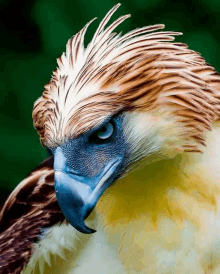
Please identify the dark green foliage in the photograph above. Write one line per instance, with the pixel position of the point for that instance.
(34, 34)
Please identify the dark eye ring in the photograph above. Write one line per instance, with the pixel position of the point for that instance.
(105, 132)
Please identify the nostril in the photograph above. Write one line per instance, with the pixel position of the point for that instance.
(72, 171)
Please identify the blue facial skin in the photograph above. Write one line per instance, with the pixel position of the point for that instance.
(85, 167)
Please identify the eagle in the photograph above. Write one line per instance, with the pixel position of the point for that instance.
(132, 179)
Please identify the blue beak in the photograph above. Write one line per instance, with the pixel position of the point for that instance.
(77, 195)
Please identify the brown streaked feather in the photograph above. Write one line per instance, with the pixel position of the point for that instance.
(31, 207)
(142, 70)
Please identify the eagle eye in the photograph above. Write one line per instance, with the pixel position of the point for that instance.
(105, 131)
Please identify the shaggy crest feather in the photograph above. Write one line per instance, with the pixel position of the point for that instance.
(139, 71)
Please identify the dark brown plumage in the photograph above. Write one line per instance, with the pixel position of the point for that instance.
(31, 207)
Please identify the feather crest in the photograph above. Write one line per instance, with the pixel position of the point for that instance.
(139, 71)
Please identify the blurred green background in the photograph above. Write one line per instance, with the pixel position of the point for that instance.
(34, 33)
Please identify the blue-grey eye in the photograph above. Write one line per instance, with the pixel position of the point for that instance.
(105, 132)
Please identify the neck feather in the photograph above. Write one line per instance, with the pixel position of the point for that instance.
(175, 191)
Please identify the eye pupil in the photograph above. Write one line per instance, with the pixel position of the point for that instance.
(103, 129)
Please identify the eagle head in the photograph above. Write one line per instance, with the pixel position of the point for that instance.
(121, 100)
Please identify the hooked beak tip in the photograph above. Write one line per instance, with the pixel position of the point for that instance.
(85, 229)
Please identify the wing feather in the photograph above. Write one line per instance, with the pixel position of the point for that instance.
(31, 207)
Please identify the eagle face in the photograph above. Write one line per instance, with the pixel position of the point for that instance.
(86, 166)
